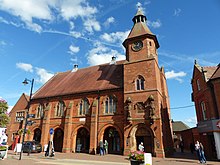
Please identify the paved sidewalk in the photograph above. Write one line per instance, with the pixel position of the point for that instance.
(87, 159)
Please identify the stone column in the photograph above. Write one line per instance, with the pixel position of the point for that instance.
(94, 126)
(46, 125)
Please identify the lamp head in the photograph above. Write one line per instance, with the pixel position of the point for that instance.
(25, 82)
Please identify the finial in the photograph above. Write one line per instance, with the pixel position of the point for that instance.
(139, 6)
(195, 62)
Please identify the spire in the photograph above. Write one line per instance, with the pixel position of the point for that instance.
(140, 27)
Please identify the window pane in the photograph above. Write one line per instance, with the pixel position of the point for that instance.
(80, 109)
(138, 84)
(106, 106)
(142, 84)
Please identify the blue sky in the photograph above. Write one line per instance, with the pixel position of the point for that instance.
(39, 38)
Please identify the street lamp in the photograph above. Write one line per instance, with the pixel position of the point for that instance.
(27, 114)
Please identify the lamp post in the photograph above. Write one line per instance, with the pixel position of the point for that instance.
(27, 113)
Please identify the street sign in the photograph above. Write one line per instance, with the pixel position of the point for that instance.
(29, 123)
(51, 131)
(31, 115)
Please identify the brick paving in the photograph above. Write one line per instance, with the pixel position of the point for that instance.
(81, 158)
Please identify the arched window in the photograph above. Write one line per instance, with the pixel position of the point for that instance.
(140, 83)
(40, 111)
(84, 106)
(110, 105)
(60, 109)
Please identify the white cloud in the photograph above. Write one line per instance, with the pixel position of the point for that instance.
(177, 12)
(77, 8)
(2, 43)
(75, 34)
(48, 10)
(154, 24)
(175, 75)
(27, 10)
(24, 66)
(117, 37)
(91, 25)
(73, 49)
(191, 121)
(109, 21)
(72, 25)
(101, 54)
(43, 74)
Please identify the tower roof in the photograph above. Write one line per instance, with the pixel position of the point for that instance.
(140, 27)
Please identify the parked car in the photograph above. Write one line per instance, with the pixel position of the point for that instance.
(34, 146)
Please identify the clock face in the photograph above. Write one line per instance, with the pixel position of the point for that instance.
(137, 45)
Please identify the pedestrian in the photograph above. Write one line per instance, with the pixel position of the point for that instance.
(46, 150)
(198, 151)
(203, 159)
(182, 146)
(191, 146)
(141, 147)
(106, 147)
(101, 146)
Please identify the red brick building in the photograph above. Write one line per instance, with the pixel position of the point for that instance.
(206, 95)
(124, 102)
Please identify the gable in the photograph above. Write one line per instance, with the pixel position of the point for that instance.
(21, 104)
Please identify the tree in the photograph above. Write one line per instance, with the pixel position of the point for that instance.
(4, 117)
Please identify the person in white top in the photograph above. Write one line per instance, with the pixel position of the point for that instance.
(141, 147)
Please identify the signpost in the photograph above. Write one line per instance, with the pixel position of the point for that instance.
(29, 123)
(51, 131)
(31, 115)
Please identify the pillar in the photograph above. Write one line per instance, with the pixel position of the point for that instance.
(68, 129)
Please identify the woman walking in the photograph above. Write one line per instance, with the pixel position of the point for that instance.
(203, 159)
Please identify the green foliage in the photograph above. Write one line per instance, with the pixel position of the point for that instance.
(137, 155)
(4, 117)
(3, 148)
(20, 131)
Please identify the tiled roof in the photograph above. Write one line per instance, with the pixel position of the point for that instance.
(209, 70)
(216, 74)
(179, 126)
(100, 77)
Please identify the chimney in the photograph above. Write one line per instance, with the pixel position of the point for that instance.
(113, 61)
(75, 68)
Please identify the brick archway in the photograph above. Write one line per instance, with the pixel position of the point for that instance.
(74, 136)
(113, 135)
(141, 133)
(58, 139)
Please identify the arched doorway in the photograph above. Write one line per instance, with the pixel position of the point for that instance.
(37, 135)
(58, 140)
(144, 135)
(113, 138)
(83, 139)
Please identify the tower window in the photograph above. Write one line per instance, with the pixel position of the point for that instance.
(203, 107)
(60, 109)
(140, 83)
(110, 105)
(150, 43)
(84, 107)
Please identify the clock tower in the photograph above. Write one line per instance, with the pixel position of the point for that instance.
(145, 92)
(141, 43)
